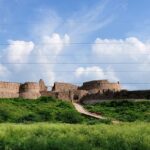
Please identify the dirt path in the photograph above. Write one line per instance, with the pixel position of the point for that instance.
(82, 110)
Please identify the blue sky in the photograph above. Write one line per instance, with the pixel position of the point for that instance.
(18, 15)
(55, 31)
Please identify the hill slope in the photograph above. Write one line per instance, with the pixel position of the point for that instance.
(122, 110)
(40, 110)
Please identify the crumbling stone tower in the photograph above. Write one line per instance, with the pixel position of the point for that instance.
(29, 90)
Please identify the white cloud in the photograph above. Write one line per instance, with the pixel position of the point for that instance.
(95, 73)
(18, 51)
(128, 50)
(47, 52)
(4, 72)
(131, 46)
(54, 44)
(131, 51)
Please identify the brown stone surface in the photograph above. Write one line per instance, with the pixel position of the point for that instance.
(9, 89)
(30, 90)
(61, 87)
(92, 91)
(76, 95)
(42, 86)
(65, 91)
(100, 85)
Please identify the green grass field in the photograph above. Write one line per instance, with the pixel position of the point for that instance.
(127, 111)
(44, 136)
(51, 124)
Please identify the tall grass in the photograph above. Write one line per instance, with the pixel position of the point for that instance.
(44, 136)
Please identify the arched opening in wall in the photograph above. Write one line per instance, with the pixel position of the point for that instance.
(75, 97)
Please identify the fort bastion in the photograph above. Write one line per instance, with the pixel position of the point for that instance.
(100, 86)
(29, 90)
(66, 91)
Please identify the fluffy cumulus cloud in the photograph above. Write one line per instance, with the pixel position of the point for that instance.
(47, 52)
(131, 56)
(15, 54)
(53, 44)
(95, 72)
(131, 46)
(18, 51)
(31, 61)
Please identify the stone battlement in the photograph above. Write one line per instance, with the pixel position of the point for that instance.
(101, 85)
(27, 90)
(90, 92)
(72, 92)
(66, 91)
(60, 87)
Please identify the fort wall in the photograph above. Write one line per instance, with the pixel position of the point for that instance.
(9, 89)
(66, 91)
(100, 86)
(120, 95)
(29, 90)
(90, 91)
(61, 87)
(42, 85)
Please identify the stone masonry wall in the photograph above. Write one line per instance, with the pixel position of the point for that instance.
(9, 89)
(100, 86)
(42, 85)
(30, 90)
(61, 87)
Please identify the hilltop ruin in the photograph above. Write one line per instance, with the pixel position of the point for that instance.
(65, 91)
(88, 92)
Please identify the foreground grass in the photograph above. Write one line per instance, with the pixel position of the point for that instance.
(128, 111)
(44, 136)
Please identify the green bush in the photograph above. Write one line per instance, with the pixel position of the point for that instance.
(69, 116)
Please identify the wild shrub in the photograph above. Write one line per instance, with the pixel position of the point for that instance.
(69, 116)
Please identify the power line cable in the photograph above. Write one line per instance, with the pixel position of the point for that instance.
(80, 63)
(71, 43)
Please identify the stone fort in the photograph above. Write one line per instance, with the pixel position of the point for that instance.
(65, 91)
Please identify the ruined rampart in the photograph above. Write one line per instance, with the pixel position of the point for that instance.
(29, 90)
(61, 87)
(90, 91)
(43, 87)
(100, 86)
(9, 89)
(120, 95)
